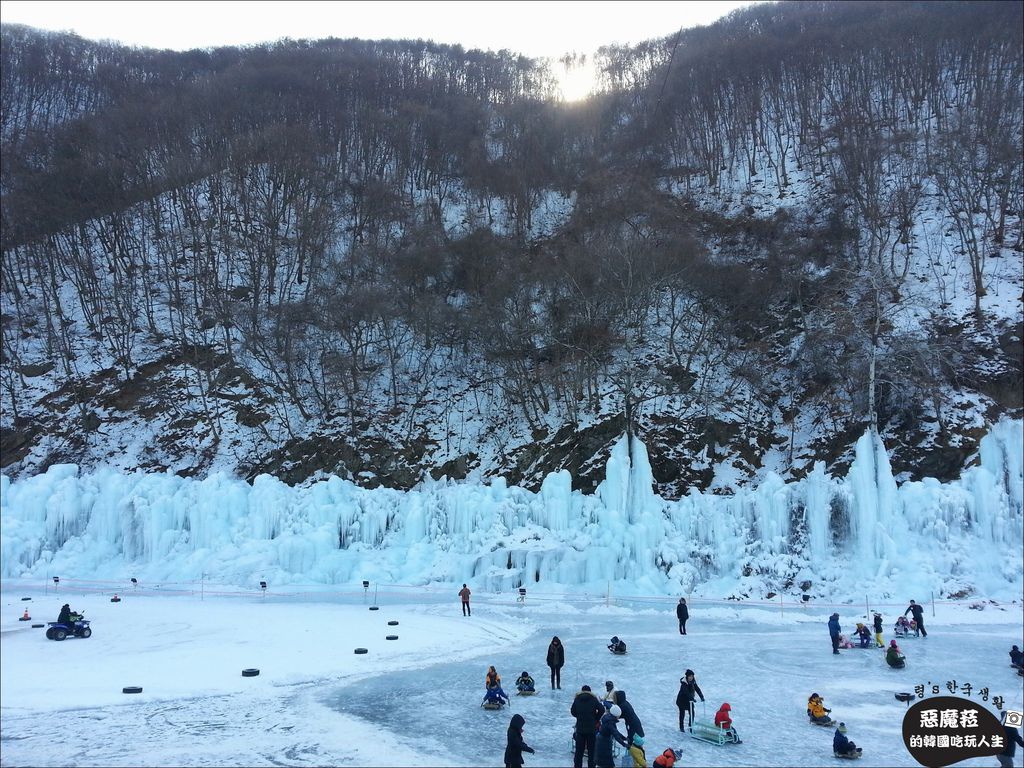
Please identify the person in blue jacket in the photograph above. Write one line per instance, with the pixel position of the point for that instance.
(834, 630)
(604, 754)
(842, 745)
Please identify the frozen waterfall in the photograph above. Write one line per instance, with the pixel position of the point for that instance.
(846, 534)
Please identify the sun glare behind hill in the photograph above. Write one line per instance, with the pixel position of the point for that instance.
(576, 76)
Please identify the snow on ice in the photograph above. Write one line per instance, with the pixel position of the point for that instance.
(416, 700)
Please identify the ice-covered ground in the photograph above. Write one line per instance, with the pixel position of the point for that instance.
(415, 701)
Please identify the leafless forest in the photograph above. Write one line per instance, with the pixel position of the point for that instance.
(344, 255)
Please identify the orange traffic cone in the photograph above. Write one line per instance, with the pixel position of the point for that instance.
(26, 617)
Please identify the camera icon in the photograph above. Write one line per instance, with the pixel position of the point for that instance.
(1013, 718)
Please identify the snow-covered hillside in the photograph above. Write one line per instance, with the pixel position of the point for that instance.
(396, 260)
(823, 535)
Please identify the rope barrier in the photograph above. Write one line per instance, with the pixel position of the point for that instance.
(402, 592)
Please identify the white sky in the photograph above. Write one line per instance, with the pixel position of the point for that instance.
(530, 27)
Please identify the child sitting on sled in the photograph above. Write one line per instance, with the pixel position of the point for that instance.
(524, 682)
(816, 709)
(863, 634)
(894, 657)
(616, 646)
(723, 719)
(842, 746)
(495, 696)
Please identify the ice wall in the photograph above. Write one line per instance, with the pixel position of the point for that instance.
(843, 534)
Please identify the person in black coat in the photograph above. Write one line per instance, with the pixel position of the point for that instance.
(64, 617)
(688, 692)
(1012, 739)
(682, 613)
(556, 660)
(588, 711)
(1016, 657)
(918, 612)
(629, 717)
(516, 746)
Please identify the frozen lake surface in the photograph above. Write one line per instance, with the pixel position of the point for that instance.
(415, 701)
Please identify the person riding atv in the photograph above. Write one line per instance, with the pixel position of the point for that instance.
(68, 617)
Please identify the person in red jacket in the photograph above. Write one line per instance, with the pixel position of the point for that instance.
(723, 719)
(464, 594)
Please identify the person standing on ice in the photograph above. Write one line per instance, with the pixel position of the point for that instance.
(605, 755)
(588, 711)
(515, 745)
(682, 613)
(688, 691)
(556, 660)
(1012, 741)
(918, 612)
(464, 593)
(878, 630)
(834, 630)
(629, 717)
(636, 751)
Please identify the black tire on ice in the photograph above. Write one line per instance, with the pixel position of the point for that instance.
(59, 633)
(392, 623)
(132, 689)
(360, 651)
(391, 637)
(87, 632)
(374, 607)
(250, 672)
(38, 626)
(49, 634)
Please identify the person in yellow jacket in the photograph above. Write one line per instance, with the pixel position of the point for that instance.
(636, 751)
(816, 710)
(493, 679)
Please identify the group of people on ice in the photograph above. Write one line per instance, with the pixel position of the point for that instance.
(596, 728)
(893, 655)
